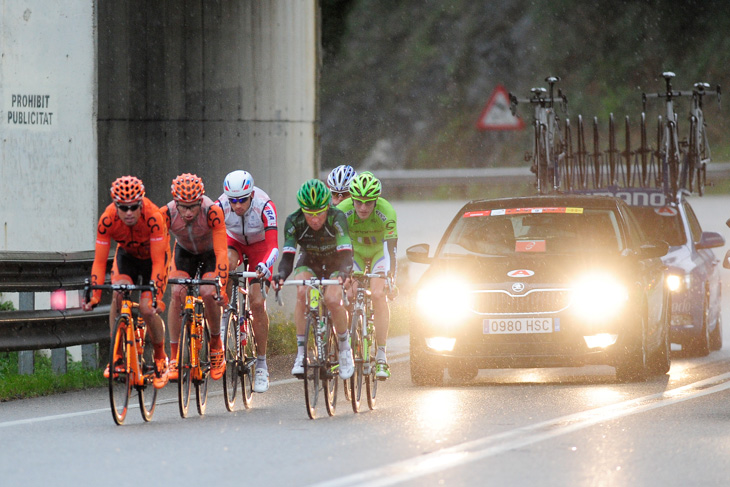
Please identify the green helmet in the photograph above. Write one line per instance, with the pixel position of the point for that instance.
(365, 187)
(314, 195)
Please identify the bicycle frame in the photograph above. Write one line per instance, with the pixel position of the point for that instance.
(319, 318)
(132, 346)
(363, 354)
(238, 363)
(668, 147)
(548, 145)
(195, 329)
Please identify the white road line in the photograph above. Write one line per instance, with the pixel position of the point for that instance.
(6, 424)
(488, 446)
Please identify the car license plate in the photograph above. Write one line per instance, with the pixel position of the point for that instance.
(508, 326)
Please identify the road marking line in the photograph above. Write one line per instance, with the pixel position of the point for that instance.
(488, 446)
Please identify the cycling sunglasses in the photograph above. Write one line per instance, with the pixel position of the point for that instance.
(126, 208)
(341, 194)
(239, 200)
(187, 207)
(314, 212)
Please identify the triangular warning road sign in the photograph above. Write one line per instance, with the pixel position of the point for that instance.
(497, 115)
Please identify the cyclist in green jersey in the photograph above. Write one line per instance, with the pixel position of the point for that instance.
(371, 221)
(320, 231)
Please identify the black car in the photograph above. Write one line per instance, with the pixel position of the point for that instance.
(543, 281)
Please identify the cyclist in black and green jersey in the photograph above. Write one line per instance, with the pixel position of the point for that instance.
(326, 252)
(371, 221)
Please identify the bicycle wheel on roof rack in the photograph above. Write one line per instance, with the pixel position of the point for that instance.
(627, 153)
(672, 158)
(569, 162)
(644, 152)
(612, 153)
(596, 155)
(581, 155)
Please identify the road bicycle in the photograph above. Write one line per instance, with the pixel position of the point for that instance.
(194, 346)
(362, 339)
(127, 366)
(667, 151)
(698, 150)
(548, 149)
(240, 342)
(321, 360)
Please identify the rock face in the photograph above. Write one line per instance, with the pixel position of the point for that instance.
(408, 80)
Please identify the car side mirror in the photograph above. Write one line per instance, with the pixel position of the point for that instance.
(419, 253)
(710, 240)
(656, 248)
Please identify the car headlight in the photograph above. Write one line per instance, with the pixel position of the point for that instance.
(599, 296)
(677, 282)
(444, 300)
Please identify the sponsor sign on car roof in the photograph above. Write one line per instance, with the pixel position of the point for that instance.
(522, 211)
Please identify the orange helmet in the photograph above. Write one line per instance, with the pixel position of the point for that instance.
(127, 189)
(187, 188)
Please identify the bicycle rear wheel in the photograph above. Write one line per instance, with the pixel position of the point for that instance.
(185, 378)
(120, 375)
(330, 371)
(311, 367)
(371, 382)
(355, 382)
(673, 159)
(146, 392)
(201, 384)
(233, 364)
(248, 353)
(701, 178)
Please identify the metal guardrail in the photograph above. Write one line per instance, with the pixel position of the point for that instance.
(398, 180)
(28, 329)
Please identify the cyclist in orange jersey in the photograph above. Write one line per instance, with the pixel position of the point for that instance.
(142, 254)
(198, 226)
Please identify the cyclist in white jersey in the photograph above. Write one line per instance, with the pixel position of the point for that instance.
(251, 230)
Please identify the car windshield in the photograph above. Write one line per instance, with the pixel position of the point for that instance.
(661, 224)
(534, 230)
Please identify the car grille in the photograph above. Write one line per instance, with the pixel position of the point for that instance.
(535, 302)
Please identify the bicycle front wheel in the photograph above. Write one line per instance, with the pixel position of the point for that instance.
(233, 364)
(248, 352)
(120, 374)
(356, 381)
(185, 377)
(201, 384)
(146, 392)
(330, 374)
(312, 367)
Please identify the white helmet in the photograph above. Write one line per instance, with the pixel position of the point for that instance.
(340, 177)
(238, 184)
